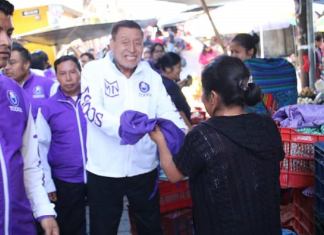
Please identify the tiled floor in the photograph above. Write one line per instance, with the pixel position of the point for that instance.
(124, 226)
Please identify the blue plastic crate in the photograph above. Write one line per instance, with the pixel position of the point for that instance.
(319, 198)
(319, 179)
(319, 158)
(287, 232)
(319, 226)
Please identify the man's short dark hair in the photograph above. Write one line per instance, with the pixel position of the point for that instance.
(67, 58)
(6, 7)
(124, 24)
(318, 37)
(90, 56)
(39, 60)
(23, 52)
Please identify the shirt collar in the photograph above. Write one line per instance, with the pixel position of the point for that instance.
(62, 96)
(29, 79)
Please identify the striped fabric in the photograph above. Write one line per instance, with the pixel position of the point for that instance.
(276, 78)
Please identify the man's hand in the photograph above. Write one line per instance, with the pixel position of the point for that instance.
(52, 196)
(50, 226)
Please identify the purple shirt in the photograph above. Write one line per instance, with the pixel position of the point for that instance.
(13, 120)
(50, 74)
(300, 116)
(38, 89)
(66, 154)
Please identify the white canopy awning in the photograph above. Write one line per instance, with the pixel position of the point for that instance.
(198, 2)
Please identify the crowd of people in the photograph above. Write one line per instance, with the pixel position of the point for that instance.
(87, 131)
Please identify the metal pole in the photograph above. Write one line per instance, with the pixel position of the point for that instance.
(311, 42)
(204, 5)
(261, 41)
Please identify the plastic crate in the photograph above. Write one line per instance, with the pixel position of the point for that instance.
(175, 202)
(174, 196)
(319, 179)
(297, 168)
(319, 226)
(178, 222)
(304, 218)
(198, 115)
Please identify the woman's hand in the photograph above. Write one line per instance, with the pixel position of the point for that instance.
(166, 160)
(157, 135)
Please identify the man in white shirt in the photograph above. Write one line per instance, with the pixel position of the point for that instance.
(111, 86)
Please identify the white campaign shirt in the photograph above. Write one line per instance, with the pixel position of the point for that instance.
(107, 93)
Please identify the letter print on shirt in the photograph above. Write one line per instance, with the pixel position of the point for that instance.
(111, 88)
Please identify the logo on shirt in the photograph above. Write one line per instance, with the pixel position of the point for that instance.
(144, 87)
(111, 89)
(14, 101)
(38, 92)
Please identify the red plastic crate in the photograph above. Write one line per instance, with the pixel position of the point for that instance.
(304, 218)
(174, 196)
(198, 115)
(297, 168)
(178, 222)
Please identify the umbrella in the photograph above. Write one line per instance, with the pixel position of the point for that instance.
(253, 15)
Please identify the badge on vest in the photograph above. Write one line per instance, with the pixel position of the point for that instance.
(38, 92)
(14, 101)
(111, 88)
(144, 88)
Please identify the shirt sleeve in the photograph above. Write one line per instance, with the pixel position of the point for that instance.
(166, 109)
(33, 174)
(92, 104)
(44, 140)
(190, 159)
(178, 99)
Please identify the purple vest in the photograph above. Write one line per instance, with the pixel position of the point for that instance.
(13, 119)
(67, 153)
(38, 89)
